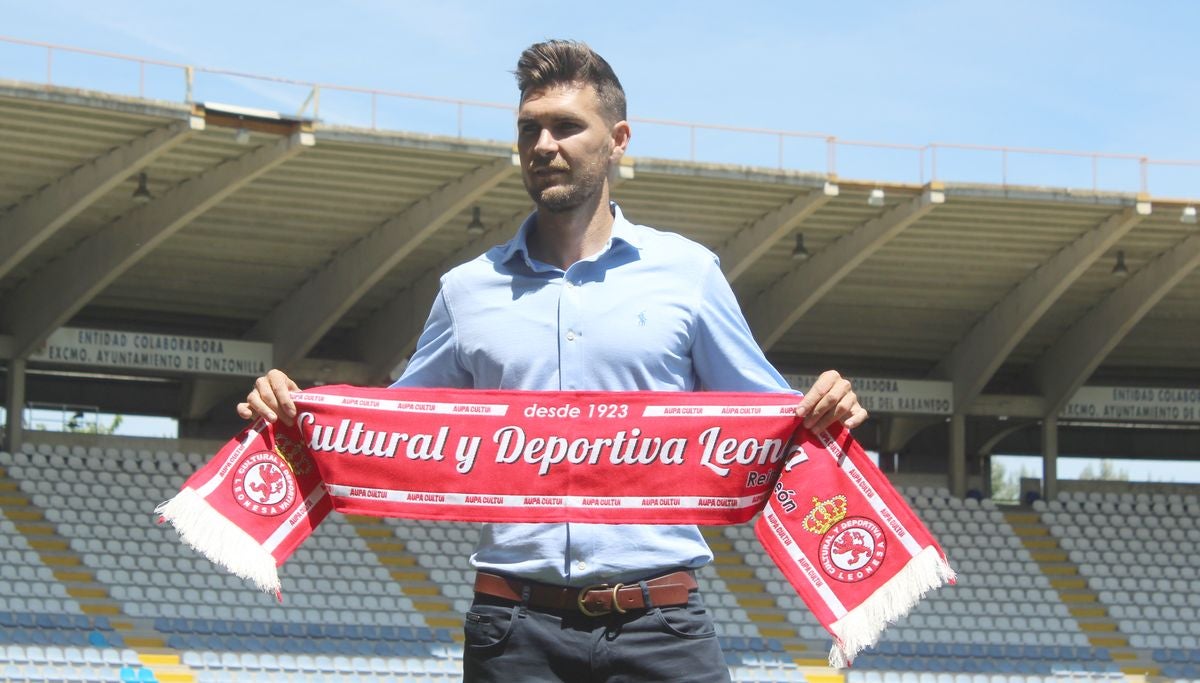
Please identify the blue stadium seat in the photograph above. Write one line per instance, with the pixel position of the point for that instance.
(241, 628)
(407, 633)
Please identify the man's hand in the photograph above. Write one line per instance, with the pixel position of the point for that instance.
(270, 399)
(829, 400)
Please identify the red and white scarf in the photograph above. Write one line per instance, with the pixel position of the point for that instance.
(839, 532)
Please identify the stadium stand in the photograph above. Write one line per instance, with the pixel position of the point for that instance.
(1144, 574)
(1090, 585)
(93, 590)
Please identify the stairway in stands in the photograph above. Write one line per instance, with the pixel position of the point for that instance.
(414, 579)
(81, 584)
(770, 620)
(1083, 602)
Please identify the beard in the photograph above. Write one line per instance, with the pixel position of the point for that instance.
(572, 189)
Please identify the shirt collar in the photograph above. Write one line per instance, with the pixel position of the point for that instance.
(622, 232)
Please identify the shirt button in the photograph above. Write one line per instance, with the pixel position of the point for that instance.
(581, 565)
(570, 336)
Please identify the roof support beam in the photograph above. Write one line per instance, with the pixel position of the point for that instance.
(200, 394)
(299, 322)
(898, 430)
(36, 219)
(740, 252)
(390, 335)
(53, 294)
(974, 360)
(794, 294)
(1067, 364)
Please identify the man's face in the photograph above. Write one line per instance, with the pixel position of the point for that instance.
(566, 146)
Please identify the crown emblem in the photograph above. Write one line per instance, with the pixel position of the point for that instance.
(294, 455)
(825, 514)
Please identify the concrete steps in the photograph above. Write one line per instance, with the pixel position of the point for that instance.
(769, 619)
(1083, 603)
(167, 666)
(81, 584)
(415, 581)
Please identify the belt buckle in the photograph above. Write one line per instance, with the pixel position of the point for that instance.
(583, 592)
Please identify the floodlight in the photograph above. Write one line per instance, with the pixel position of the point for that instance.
(142, 195)
(799, 253)
(1119, 269)
(475, 227)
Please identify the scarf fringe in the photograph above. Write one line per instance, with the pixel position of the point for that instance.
(862, 626)
(211, 534)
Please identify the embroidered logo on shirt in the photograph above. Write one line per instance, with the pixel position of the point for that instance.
(642, 319)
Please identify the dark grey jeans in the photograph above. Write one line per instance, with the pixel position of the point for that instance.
(508, 643)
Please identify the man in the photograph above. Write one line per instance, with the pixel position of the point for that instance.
(582, 299)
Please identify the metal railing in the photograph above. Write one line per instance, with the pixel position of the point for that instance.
(724, 144)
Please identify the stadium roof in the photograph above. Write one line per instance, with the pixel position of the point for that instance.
(327, 242)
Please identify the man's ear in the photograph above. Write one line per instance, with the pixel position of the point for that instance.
(620, 136)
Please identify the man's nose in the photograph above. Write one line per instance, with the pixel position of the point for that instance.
(545, 145)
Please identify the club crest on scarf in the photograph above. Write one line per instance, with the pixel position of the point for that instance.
(851, 549)
(294, 454)
(263, 483)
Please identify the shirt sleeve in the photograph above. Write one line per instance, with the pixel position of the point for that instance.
(725, 355)
(436, 362)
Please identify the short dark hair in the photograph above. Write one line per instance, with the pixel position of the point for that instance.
(566, 62)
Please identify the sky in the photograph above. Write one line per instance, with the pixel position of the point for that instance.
(1111, 77)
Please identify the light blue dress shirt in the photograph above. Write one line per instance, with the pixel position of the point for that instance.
(652, 311)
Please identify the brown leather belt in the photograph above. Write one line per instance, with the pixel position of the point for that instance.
(593, 601)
